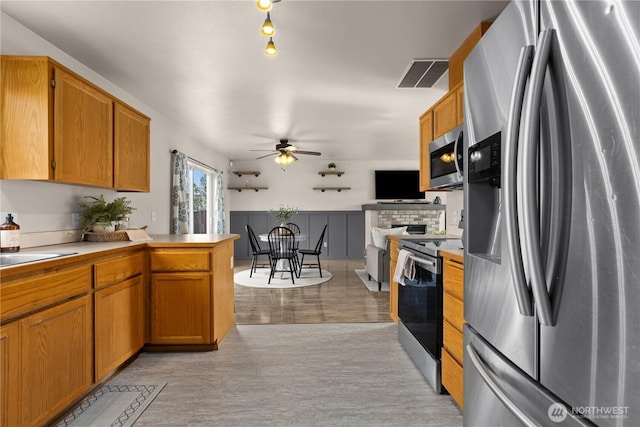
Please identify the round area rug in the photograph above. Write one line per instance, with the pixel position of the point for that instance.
(260, 277)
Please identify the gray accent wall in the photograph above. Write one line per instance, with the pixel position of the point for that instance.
(344, 238)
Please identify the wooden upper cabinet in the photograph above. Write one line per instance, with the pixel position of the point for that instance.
(456, 60)
(131, 149)
(426, 136)
(445, 115)
(460, 104)
(83, 132)
(57, 126)
(26, 106)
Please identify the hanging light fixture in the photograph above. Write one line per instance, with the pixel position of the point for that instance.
(267, 28)
(265, 5)
(271, 48)
(285, 159)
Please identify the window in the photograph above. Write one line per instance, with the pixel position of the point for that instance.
(203, 198)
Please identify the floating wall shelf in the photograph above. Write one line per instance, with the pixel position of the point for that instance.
(240, 173)
(248, 188)
(338, 189)
(323, 173)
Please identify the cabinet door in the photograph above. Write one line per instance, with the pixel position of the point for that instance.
(119, 324)
(57, 359)
(9, 375)
(131, 149)
(181, 308)
(426, 136)
(83, 132)
(25, 134)
(444, 115)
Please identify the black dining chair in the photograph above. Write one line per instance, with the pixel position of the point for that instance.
(317, 251)
(282, 245)
(296, 230)
(256, 250)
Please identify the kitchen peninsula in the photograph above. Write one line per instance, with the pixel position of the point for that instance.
(97, 308)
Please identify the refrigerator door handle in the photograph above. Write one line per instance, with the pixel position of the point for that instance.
(530, 214)
(509, 185)
(493, 385)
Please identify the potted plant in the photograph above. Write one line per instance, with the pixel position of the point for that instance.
(331, 166)
(102, 216)
(283, 213)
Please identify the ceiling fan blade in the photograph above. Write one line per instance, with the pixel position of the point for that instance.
(313, 153)
(266, 155)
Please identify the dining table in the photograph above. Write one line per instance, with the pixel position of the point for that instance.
(280, 266)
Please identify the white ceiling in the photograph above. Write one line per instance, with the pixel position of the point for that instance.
(201, 64)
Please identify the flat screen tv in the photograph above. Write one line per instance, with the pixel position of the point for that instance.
(398, 185)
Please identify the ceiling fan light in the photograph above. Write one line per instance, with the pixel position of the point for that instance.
(264, 5)
(271, 48)
(267, 28)
(285, 159)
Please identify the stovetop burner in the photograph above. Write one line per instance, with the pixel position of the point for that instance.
(431, 246)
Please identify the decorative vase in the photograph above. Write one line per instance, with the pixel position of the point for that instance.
(103, 227)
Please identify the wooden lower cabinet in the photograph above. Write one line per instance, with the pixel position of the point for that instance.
(10, 375)
(192, 295)
(181, 308)
(56, 359)
(453, 313)
(119, 324)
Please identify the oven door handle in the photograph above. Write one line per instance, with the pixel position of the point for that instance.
(431, 265)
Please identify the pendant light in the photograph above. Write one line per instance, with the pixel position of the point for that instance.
(265, 5)
(271, 48)
(267, 28)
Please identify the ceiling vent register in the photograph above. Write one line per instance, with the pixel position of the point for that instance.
(423, 73)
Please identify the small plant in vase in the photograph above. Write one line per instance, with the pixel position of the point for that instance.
(283, 213)
(331, 166)
(100, 216)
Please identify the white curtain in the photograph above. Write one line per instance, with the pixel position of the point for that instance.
(179, 194)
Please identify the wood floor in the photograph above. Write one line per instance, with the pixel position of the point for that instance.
(332, 374)
(343, 299)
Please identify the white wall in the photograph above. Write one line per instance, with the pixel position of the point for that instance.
(42, 206)
(293, 185)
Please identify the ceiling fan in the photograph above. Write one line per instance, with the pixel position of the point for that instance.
(285, 153)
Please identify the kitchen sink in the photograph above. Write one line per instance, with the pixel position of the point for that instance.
(8, 259)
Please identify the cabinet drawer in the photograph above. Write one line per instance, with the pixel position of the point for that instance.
(116, 270)
(453, 278)
(453, 342)
(26, 295)
(452, 378)
(453, 311)
(180, 260)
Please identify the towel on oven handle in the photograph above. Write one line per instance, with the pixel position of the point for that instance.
(405, 267)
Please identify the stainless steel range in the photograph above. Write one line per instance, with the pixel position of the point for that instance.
(420, 306)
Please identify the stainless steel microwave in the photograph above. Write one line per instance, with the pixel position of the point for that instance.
(446, 156)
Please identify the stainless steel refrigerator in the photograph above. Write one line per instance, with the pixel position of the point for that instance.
(552, 204)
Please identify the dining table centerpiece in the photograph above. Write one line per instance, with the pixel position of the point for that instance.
(283, 213)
